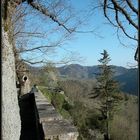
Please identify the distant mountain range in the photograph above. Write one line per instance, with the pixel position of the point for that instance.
(128, 78)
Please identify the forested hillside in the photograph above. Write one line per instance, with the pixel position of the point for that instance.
(128, 78)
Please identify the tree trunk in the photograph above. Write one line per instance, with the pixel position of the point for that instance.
(11, 123)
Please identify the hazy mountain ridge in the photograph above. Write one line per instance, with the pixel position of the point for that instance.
(86, 72)
(129, 81)
(128, 78)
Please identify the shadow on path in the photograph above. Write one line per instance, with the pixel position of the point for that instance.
(31, 129)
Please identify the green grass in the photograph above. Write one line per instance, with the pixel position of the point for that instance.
(123, 126)
(46, 93)
(58, 101)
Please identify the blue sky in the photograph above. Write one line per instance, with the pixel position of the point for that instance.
(89, 45)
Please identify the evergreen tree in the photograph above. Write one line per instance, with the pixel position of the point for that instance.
(106, 91)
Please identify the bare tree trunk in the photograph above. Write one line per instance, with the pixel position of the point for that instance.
(11, 123)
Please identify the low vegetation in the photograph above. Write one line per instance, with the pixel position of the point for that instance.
(88, 114)
(86, 118)
(58, 101)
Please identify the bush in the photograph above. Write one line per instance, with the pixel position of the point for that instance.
(66, 106)
(94, 121)
(57, 101)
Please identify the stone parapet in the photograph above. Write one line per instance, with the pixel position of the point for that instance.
(54, 126)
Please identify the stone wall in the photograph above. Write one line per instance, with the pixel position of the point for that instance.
(30, 129)
(53, 124)
(11, 124)
(25, 84)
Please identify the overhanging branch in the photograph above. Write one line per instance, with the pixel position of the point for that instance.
(44, 10)
(36, 48)
(120, 25)
(105, 13)
(124, 12)
(132, 6)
